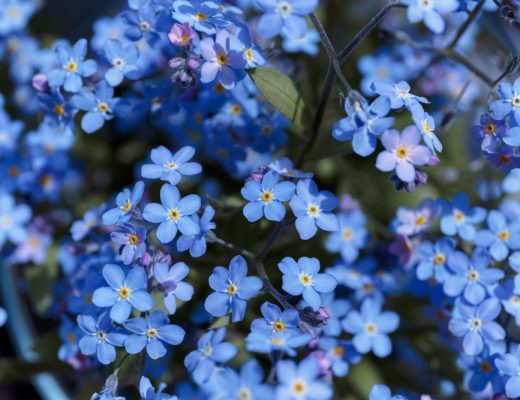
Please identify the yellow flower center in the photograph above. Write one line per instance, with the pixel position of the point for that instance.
(118, 62)
(207, 351)
(14, 171)
(421, 220)
(201, 16)
(127, 206)
(516, 101)
(298, 387)
(515, 300)
(284, 8)
(59, 110)
(439, 259)
(347, 233)
(338, 351)
(171, 166)
(245, 394)
(473, 275)
(305, 279)
(151, 333)
(266, 196)
(125, 292)
(368, 288)
(133, 239)
(101, 335)
(503, 235)
(279, 326)
(401, 152)
(144, 26)
(174, 214)
(313, 210)
(485, 367)
(490, 128)
(13, 12)
(459, 216)
(370, 327)
(6, 221)
(232, 289)
(426, 128)
(219, 88)
(222, 59)
(235, 109)
(103, 107)
(71, 66)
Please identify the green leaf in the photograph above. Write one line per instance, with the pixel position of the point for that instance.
(279, 90)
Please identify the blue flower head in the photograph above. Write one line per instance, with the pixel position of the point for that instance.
(13, 220)
(301, 381)
(211, 351)
(402, 153)
(267, 197)
(508, 102)
(124, 292)
(122, 60)
(15, 15)
(171, 281)
(351, 236)
(509, 366)
(152, 332)
(173, 214)
(433, 259)
(101, 338)
(312, 209)
(222, 62)
(364, 123)
(430, 12)
(246, 384)
(171, 167)
(288, 15)
(458, 217)
(303, 278)
(99, 106)
(203, 16)
(232, 290)
(285, 167)
(72, 66)
(399, 95)
(471, 278)
(371, 327)
(147, 391)
(476, 324)
(197, 243)
(500, 236)
(126, 202)
(132, 241)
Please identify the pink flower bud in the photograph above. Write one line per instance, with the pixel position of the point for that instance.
(40, 82)
(181, 35)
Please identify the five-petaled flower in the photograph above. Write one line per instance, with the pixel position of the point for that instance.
(402, 153)
(371, 327)
(303, 278)
(123, 292)
(312, 209)
(171, 167)
(233, 288)
(173, 214)
(267, 198)
(151, 332)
